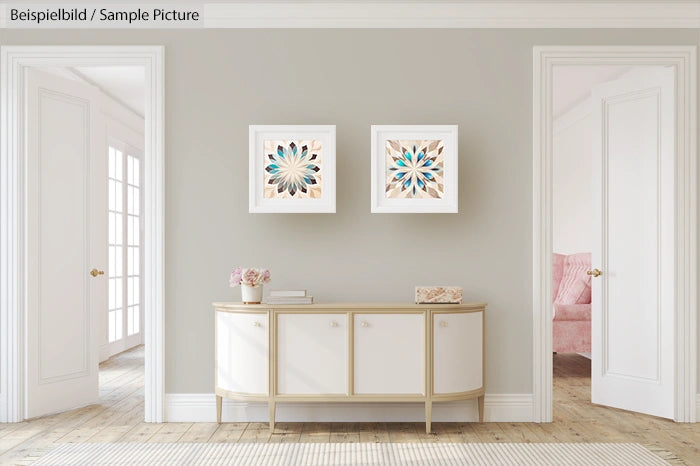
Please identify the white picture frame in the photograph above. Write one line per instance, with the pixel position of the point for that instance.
(425, 192)
(278, 188)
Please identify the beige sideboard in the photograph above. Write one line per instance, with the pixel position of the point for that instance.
(349, 352)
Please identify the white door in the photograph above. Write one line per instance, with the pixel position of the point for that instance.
(389, 353)
(633, 216)
(67, 222)
(312, 354)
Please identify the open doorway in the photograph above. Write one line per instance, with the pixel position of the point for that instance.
(613, 241)
(641, 261)
(572, 227)
(85, 144)
(90, 259)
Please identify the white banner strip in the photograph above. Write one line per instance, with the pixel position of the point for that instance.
(358, 14)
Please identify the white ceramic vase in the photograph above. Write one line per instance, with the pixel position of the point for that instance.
(251, 294)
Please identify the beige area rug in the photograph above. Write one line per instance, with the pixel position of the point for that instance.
(350, 454)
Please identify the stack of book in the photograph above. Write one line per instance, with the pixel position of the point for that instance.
(289, 297)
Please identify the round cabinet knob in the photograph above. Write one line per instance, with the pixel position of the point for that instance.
(364, 323)
(443, 323)
(256, 324)
(334, 324)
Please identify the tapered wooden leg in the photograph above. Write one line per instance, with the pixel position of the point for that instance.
(218, 409)
(271, 405)
(428, 415)
(481, 408)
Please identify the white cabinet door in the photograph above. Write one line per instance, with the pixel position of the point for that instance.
(457, 352)
(242, 352)
(389, 353)
(312, 354)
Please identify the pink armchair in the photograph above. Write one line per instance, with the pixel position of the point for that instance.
(571, 296)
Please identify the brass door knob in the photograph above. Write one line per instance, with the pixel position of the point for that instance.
(595, 273)
(95, 272)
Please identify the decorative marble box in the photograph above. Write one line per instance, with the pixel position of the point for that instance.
(439, 294)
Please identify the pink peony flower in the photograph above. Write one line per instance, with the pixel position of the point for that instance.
(249, 277)
(235, 279)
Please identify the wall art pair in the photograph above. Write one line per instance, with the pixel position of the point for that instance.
(413, 168)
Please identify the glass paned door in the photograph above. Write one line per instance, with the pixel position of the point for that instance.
(133, 221)
(125, 226)
(116, 245)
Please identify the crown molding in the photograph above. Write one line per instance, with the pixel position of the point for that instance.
(464, 14)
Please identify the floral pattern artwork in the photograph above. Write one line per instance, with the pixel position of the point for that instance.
(415, 169)
(293, 169)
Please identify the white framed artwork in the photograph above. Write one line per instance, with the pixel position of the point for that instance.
(414, 168)
(291, 169)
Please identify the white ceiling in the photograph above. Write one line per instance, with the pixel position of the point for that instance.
(124, 83)
(572, 84)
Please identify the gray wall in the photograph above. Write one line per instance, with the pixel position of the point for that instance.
(220, 81)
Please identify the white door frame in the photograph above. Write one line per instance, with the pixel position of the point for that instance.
(13, 245)
(683, 58)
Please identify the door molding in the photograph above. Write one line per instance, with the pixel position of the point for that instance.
(13, 236)
(683, 58)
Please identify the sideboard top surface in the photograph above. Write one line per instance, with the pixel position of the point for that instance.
(376, 307)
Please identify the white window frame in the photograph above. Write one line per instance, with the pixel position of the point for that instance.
(127, 341)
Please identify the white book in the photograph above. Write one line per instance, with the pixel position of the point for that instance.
(289, 300)
(288, 293)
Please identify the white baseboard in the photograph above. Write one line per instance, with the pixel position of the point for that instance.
(201, 407)
(697, 407)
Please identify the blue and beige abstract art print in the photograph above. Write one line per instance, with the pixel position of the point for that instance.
(415, 169)
(293, 169)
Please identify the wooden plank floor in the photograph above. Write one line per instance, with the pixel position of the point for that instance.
(118, 418)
